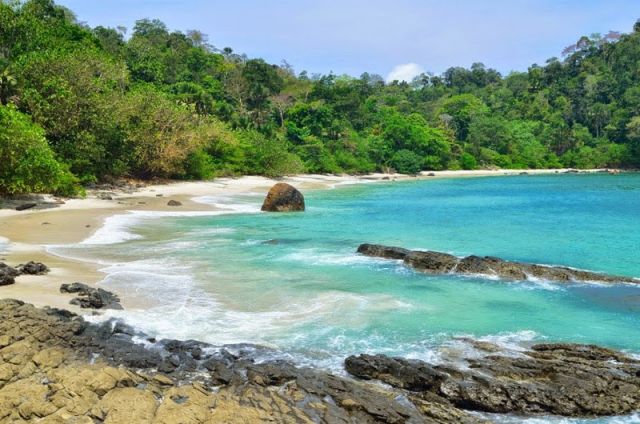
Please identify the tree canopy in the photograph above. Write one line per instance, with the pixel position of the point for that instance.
(95, 103)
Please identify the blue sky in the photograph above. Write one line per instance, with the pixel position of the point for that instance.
(354, 36)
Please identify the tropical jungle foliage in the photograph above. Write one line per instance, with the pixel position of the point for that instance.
(80, 104)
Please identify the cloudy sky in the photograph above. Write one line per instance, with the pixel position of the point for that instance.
(395, 38)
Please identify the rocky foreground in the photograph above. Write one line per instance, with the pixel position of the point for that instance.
(57, 368)
(444, 263)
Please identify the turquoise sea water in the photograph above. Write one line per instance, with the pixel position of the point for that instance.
(294, 281)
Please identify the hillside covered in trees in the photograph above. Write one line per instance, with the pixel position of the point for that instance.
(80, 105)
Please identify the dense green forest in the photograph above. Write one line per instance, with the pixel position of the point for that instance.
(80, 105)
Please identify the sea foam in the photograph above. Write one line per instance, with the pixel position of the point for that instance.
(116, 228)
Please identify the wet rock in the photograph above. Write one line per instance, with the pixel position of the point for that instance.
(25, 206)
(91, 298)
(444, 263)
(174, 203)
(416, 376)
(56, 367)
(432, 262)
(383, 251)
(283, 197)
(33, 268)
(562, 379)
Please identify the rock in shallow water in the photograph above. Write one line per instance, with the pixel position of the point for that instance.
(283, 197)
(444, 263)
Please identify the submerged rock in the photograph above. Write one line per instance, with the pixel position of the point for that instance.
(444, 263)
(283, 197)
(91, 298)
(562, 379)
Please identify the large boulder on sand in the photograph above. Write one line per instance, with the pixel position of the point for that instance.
(33, 268)
(283, 197)
(7, 274)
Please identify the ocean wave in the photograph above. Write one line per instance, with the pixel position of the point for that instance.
(231, 203)
(537, 284)
(116, 228)
(313, 256)
(175, 306)
(550, 419)
(460, 347)
(212, 231)
(4, 245)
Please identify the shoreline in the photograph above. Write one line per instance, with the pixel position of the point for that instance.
(28, 233)
(58, 367)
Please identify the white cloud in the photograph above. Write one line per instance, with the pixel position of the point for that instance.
(406, 72)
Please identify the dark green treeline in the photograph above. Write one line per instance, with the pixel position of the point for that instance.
(80, 104)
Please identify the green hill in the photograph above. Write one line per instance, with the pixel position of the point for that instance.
(96, 104)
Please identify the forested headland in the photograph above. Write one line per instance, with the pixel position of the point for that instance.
(80, 105)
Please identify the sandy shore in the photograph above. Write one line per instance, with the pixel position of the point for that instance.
(28, 233)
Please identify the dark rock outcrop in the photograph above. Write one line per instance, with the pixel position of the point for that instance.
(380, 251)
(25, 202)
(56, 367)
(54, 364)
(283, 197)
(7, 274)
(25, 206)
(174, 203)
(6, 280)
(444, 263)
(33, 268)
(91, 298)
(561, 379)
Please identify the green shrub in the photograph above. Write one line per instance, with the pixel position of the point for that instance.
(468, 161)
(407, 162)
(269, 156)
(199, 166)
(28, 164)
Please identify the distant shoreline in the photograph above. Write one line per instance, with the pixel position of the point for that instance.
(28, 233)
